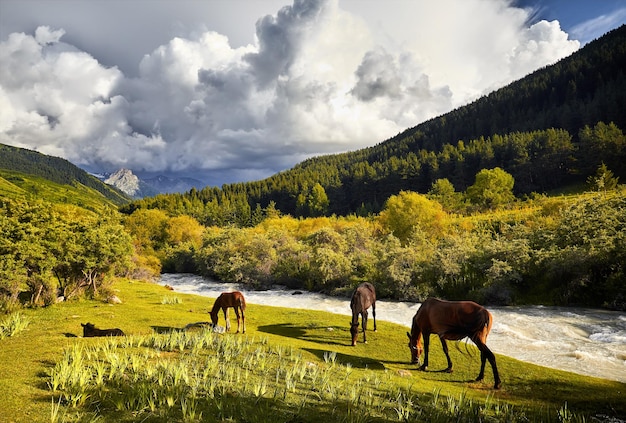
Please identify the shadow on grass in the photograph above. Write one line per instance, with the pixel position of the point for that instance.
(354, 360)
(608, 400)
(248, 408)
(166, 329)
(169, 329)
(327, 335)
(43, 377)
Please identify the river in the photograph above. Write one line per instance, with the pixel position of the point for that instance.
(585, 341)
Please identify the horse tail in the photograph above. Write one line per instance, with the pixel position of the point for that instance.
(482, 324)
(242, 303)
(488, 322)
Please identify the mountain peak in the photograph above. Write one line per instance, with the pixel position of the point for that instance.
(125, 181)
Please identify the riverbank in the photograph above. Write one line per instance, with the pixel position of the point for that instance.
(26, 359)
(585, 341)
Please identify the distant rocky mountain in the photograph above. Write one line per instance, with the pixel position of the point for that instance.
(126, 181)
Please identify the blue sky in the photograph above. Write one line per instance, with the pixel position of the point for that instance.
(236, 90)
(584, 20)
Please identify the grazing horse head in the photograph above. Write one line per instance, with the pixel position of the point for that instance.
(452, 320)
(354, 331)
(363, 297)
(415, 345)
(213, 313)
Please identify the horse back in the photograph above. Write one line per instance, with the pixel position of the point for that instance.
(363, 297)
(454, 319)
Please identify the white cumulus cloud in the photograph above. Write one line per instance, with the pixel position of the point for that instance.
(317, 79)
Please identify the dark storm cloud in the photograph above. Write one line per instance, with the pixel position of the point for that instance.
(279, 38)
(377, 76)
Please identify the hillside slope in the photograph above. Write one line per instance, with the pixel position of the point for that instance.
(27, 173)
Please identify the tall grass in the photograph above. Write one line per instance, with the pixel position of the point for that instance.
(171, 300)
(187, 375)
(13, 324)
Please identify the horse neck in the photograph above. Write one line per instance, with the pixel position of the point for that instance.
(416, 335)
(355, 316)
(216, 306)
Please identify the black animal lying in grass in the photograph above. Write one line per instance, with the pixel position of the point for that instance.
(90, 330)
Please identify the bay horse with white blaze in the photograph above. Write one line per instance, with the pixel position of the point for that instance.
(363, 297)
(228, 300)
(452, 320)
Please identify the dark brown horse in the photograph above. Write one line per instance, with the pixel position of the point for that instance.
(89, 330)
(452, 320)
(227, 300)
(363, 297)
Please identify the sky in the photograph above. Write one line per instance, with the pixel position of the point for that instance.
(230, 91)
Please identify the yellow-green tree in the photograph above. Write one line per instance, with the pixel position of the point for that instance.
(408, 212)
(183, 229)
(492, 188)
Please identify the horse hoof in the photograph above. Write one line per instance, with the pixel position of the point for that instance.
(448, 370)
(423, 368)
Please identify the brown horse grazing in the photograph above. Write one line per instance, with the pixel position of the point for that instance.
(452, 320)
(89, 330)
(364, 297)
(224, 302)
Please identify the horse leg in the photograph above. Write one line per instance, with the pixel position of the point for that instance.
(374, 314)
(243, 319)
(483, 361)
(225, 309)
(238, 317)
(426, 337)
(486, 354)
(364, 324)
(444, 345)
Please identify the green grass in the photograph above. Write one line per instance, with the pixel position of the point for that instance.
(53, 334)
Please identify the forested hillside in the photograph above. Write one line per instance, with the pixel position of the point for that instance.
(550, 130)
(15, 161)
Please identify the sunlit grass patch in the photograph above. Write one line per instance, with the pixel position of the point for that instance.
(182, 376)
(13, 324)
(168, 299)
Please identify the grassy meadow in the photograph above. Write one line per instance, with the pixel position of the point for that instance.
(292, 365)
